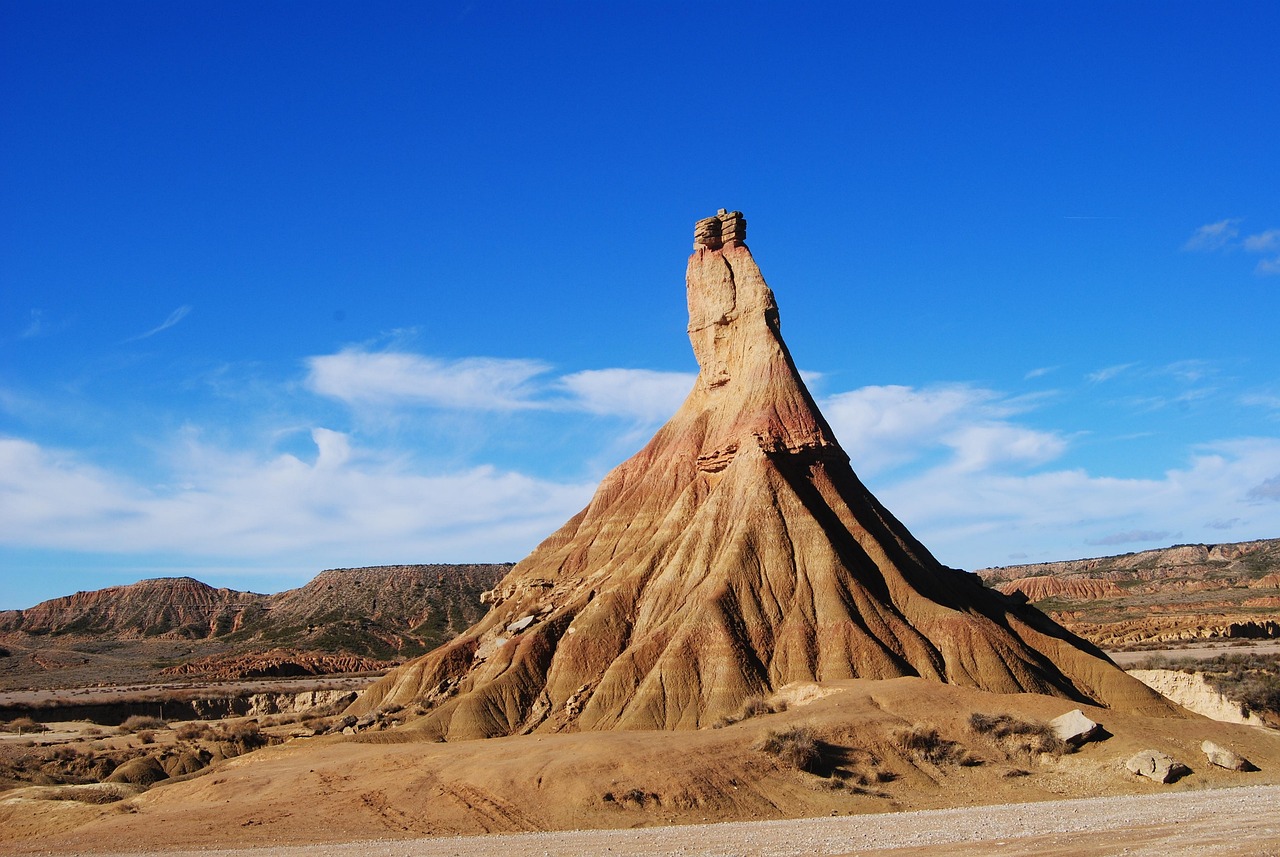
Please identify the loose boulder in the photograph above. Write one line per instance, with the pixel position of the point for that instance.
(1224, 758)
(1155, 765)
(1074, 728)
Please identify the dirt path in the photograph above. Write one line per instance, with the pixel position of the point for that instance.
(1238, 822)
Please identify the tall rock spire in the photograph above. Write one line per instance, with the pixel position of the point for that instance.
(737, 552)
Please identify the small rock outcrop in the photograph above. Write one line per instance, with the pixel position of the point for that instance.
(1193, 692)
(1157, 766)
(1225, 758)
(140, 771)
(1074, 728)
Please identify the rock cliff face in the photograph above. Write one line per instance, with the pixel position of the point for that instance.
(736, 553)
(344, 620)
(1169, 595)
(172, 606)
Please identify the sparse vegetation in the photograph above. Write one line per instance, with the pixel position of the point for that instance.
(193, 731)
(24, 726)
(926, 744)
(795, 747)
(138, 722)
(1018, 736)
(1251, 679)
(753, 706)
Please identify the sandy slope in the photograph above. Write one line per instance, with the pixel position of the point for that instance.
(321, 792)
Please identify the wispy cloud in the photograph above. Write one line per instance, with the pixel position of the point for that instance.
(640, 394)
(398, 379)
(1223, 235)
(388, 378)
(1214, 236)
(1268, 489)
(1263, 242)
(1130, 537)
(174, 317)
(1039, 372)
(1109, 372)
(1189, 371)
(35, 325)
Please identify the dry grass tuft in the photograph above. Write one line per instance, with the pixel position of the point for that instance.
(753, 706)
(1018, 736)
(926, 744)
(795, 747)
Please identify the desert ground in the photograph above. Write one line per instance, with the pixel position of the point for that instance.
(380, 794)
(1227, 822)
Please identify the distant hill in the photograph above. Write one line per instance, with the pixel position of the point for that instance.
(1179, 593)
(344, 619)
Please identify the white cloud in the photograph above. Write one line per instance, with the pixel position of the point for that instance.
(1039, 372)
(226, 504)
(978, 518)
(390, 378)
(884, 427)
(1214, 236)
(986, 445)
(1268, 266)
(640, 394)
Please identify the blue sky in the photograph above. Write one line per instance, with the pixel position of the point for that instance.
(290, 286)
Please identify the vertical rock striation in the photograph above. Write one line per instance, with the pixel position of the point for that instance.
(735, 553)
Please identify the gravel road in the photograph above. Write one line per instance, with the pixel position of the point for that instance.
(1237, 821)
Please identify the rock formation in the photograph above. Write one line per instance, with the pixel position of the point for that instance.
(1180, 593)
(734, 554)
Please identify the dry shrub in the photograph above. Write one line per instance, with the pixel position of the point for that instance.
(193, 731)
(138, 722)
(146, 736)
(795, 747)
(926, 744)
(245, 736)
(752, 706)
(1020, 736)
(24, 725)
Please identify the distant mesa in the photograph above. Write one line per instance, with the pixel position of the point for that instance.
(736, 553)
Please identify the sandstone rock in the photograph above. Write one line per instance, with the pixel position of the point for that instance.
(1193, 692)
(736, 553)
(184, 762)
(1155, 765)
(1224, 758)
(1074, 728)
(520, 624)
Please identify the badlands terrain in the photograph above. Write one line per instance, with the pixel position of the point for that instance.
(1155, 598)
(733, 630)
